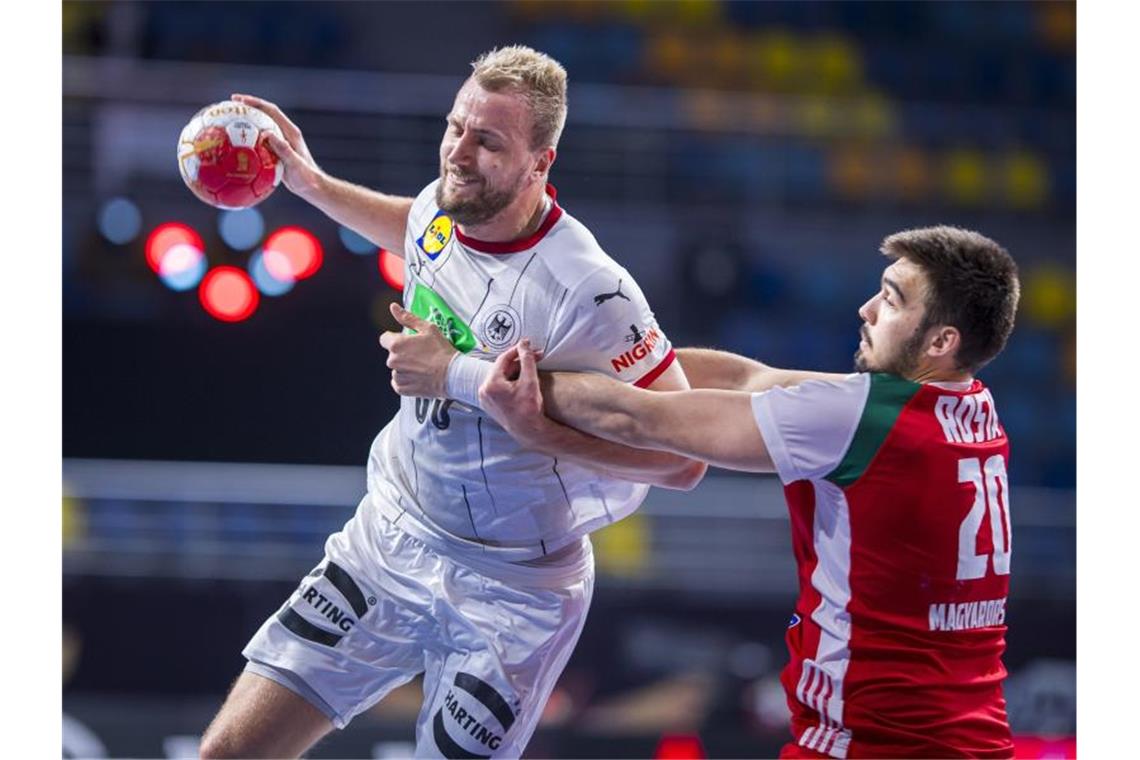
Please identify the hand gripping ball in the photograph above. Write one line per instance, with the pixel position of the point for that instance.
(224, 155)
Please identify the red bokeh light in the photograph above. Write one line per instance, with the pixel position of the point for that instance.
(164, 237)
(391, 269)
(277, 265)
(300, 247)
(227, 293)
(679, 747)
(1053, 748)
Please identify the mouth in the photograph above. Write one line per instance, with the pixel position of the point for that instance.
(463, 180)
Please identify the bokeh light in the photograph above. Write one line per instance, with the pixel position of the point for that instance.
(965, 176)
(265, 272)
(241, 229)
(120, 220)
(300, 247)
(182, 266)
(676, 746)
(163, 237)
(358, 244)
(391, 269)
(911, 173)
(1049, 295)
(1026, 179)
(228, 294)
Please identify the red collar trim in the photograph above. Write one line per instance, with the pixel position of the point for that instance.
(514, 246)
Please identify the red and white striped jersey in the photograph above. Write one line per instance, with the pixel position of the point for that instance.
(899, 504)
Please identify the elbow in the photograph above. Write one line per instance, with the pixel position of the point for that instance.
(686, 476)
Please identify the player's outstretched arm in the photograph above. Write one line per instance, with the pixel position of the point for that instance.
(713, 426)
(380, 218)
(420, 361)
(710, 368)
(657, 468)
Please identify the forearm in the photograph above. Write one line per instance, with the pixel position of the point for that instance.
(597, 405)
(659, 468)
(376, 216)
(710, 368)
(709, 426)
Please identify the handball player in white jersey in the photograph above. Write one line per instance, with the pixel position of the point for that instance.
(469, 559)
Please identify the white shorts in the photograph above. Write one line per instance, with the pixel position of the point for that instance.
(383, 607)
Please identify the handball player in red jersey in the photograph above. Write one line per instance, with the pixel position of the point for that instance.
(897, 488)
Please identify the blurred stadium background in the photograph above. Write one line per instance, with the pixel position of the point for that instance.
(742, 159)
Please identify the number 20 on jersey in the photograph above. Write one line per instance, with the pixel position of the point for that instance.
(991, 492)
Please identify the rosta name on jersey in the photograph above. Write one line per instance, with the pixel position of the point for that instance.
(966, 615)
(968, 419)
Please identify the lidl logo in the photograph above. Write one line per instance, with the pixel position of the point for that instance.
(427, 304)
(437, 235)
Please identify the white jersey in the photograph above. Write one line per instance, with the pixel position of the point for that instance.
(448, 473)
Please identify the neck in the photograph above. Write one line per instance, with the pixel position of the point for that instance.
(518, 220)
(939, 375)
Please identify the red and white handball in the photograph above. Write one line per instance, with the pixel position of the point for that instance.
(224, 155)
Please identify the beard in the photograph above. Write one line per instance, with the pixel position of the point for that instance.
(485, 204)
(902, 362)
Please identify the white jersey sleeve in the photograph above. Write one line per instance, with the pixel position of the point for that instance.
(607, 327)
(426, 233)
(807, 428)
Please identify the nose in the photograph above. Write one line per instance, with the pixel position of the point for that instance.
(461, 153)
(868, 310)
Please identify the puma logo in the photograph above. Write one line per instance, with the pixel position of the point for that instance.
(601, 298)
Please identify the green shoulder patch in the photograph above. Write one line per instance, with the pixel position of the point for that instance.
(885, 401)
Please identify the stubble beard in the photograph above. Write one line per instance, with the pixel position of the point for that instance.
(481, 208)
(902, 363)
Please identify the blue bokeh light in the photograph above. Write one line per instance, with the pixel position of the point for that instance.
(358, 244)
(182, 267)
(120, 220)
(264, 280)
(241, 229)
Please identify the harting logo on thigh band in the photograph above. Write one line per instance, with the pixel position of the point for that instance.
(319, 600)
(473, 719)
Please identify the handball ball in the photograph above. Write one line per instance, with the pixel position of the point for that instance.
(224, 155)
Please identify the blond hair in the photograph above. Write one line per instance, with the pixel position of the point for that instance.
(540, 79)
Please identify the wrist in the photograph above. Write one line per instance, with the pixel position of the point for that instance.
(318, 189)
(464, 376)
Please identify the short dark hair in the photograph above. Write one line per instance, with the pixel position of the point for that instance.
(973, 286)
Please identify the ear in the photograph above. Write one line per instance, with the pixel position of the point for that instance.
(545, 161)
(944, 341)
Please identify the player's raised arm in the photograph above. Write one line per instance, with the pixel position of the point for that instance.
(710, 368)
(713, 426)
(376, 216)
